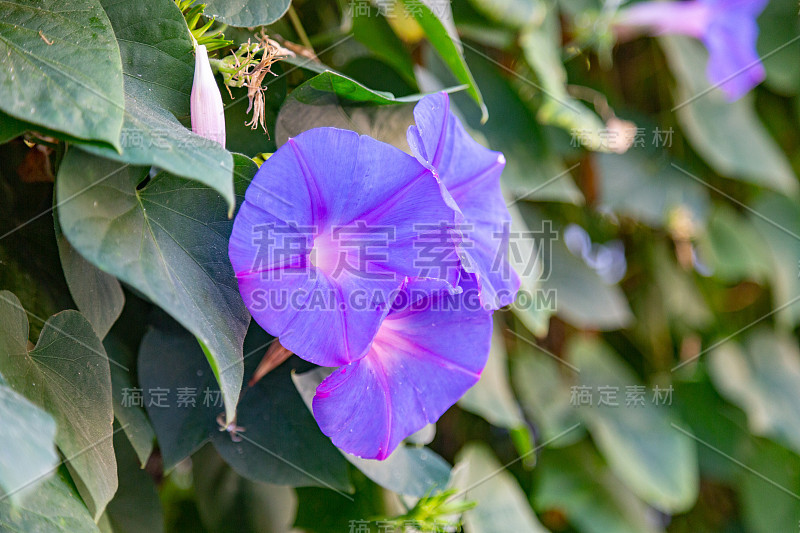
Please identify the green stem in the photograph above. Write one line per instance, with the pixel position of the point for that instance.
(218, 66)
(298, 27)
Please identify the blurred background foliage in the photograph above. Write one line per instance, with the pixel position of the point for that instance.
(648, 379)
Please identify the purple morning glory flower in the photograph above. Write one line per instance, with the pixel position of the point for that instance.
(727, 28)
(425, 356)
(408, 325)
(471, 175)
(327, 235)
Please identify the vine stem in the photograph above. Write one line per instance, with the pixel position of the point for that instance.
(298, 27)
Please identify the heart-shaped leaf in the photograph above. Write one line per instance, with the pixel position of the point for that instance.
(169, 240)
(66, 374)
(61, 68)
(98, 295)
(280, 442)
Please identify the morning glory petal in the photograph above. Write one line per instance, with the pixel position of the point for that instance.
(733, 62)
(423, 359)
(470, 173)
(752, 8)
(327, 235)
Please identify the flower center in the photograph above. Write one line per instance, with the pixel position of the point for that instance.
(326, 254)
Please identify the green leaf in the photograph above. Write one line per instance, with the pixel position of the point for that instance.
(543, 386)
(311, 65)
(379, 75)
(225, 499)
(98, 295)
(648, 189)
(157, 59)
(371, 29)
(29, 452)
(322, 511)
(721, 425)
(654, 459)
(180, 430)
(154, 137)
(582, 298)
(135, 507)
(129, 413)
(72, 85)
(540, 47)
(770, 501)
(733, 249)
(54, 507)
(410, 470)
(169, 240)
(533, 171)
(492, 397)
(576, 482)
(11, 128)
(779, 47)
(763, 378)
(67, 375)
(528, 266)
(281, 442)
(729, 136)
(680, 295)
(447, 45)
(502, 505)
(513, 13)
(322, 86)
(384, 123)
(776, 218)
(246, 13)
(159, 68)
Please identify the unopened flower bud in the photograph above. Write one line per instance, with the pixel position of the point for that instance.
(208, 114)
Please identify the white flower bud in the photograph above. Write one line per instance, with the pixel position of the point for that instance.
(208, 114)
